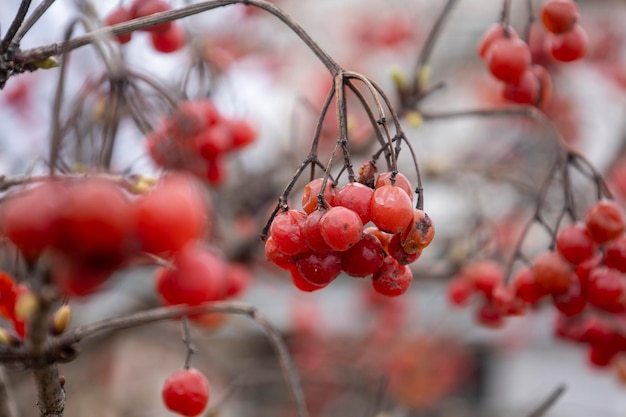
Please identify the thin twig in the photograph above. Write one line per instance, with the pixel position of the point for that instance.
(548, 402)
(31, 20)
(15, 25)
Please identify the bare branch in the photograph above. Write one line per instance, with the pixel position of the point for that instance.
(548, 402)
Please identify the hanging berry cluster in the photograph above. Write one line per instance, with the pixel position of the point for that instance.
(315, 245)
(88, 228)
(509, 58)
(197, 138)
(165, 37)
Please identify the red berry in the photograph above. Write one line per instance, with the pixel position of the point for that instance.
(364, 258)
(489, 315)
(484, 275)
(356, 197)
(341, 228)
(199, 276)
(242, 133)
(391, 209)
(312, 190)
(119, 15)
(312, 232)
(606, 289)
(170, 40)
(275, 256)
(396, 251)
(384, 178)
(319, 269)
(459, 291)
(559, 16)
(508, 59)
(605, 221)
(186, 392)
(615, 254)
(575, 244)
(525, 91)
(601, 356)
(553, 272)
(286, 231)
(571, 302)
(419, 233)
(527, 288)
(301, 283)
(171, 215)
(392, 279)
(569, 46)
(494, 33)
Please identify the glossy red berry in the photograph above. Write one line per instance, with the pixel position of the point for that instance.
(275, 256)
(341, 228)
(615, 254)
(286, 231)
(574, 243)
(508, 59)
(571, 302)
(494, 33)
(569, 46)
(525, 91)
(301, 283)
(313, 234)
(605, 221)
(186, 392)
(170, 40)
(391, 209)
(459, 291)
(606, 289)
(553, 272)
(527, 288)
(392, 279)
(364, 258)
(384, 178)
(559, 16)
(312, 190)
(356, 197)
(319, 269)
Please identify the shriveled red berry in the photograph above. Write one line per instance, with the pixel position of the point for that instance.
(559, 16)
(419, 233)
(186, 392)
(605, 221)
(356, 197)
(286, 231)
(312, 190)
(341, 228)
(392, 279)
(574, 243)
(508, 59)
(391, 209)
(364, 258)
(569, 46)
(319, 269)
(492, 34)
(553, 272)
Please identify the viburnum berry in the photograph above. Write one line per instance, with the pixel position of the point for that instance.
(199, 276)
(605, 221)
(396, 250)
(419, 233)
(119, 15)
(81, 276)
(286, 231)
(574, 243)
(489, 315)
(571, 302)
(242, 133)
(508, 59)
(384, 178)
(492, 34)
(383, 237)
(172, 214)
(170, 40)
(364, 258)
(275, 256)
(484, 275)
(559, 16)
(392, 279)
(553, 272)
(505, 299)
(569, 46)
(312, 190)
(615, 254)
(527, 288)
(459, 291)
(356, 197)
(525, 91)
(391, 209)
(301, 283)
(606, 289)
(312, 233)
(151, 7)
(341, 228)
(186, 392)
(319, 269)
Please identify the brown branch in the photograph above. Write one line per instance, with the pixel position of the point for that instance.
(548, 402)
(67, 340)
(31, 20)
(15, 25)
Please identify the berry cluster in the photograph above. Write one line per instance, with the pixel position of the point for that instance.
(196, 138)
(509, 57)
(584, 275)
(90, 227)
(328, 236)
(186, 392)
(165, 37)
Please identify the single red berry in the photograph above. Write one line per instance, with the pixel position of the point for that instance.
(559, 16)
(186, 392)
(553, 272)
(484, 275)
(525, 91)
(571, 302)
(356, 197)
(392, 279)
(238, 278)
(574, 243)
(214, 141)
(311, 192)
(242, 133)
(286, 231)
(601, 356)
(341, 228)
(170, 40)
(492, 34)
(391, 209)
(606, 289)
(569, 46)
(319, 269)
(384, 178)
(527, 288)
(396, 250)
(301, 283)
(275, 256)
(489, 315)
(364, 258)
(615, 254)
(459, 291)
(80, 276)
(508, 59)
(312, 232)
(119, 15)
(419, 233)
(605, 221)
(173, 213)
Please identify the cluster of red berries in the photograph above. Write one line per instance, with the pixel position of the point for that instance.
(328, 236)
(509, 58)
(196, 138)
(165, 37)
(90, 227)
(583, 275)
(10, 292)
(186, 392)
